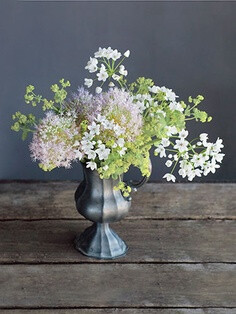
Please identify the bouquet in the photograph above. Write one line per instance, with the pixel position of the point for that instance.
(117, 125)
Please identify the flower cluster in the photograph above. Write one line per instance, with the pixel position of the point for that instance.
(104, 65)
(52, 142)
(113, 129)
(196, 158)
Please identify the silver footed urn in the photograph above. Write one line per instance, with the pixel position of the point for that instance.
(98, 201)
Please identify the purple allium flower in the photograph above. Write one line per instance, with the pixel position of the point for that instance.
(118, 105)
(82, 103)
(52, 143)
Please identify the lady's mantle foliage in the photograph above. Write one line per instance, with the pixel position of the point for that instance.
(113, 129)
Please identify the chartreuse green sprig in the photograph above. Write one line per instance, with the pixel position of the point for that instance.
(26, 123)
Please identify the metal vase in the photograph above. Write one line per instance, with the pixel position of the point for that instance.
(97, 201)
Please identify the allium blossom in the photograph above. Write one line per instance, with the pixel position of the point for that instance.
(52, 143)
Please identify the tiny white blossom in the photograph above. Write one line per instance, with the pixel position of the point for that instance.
(115, 77)
(91, 154)
(111, 84)
(78, 154)
(165, 142)
(176, 106)
(121, 142)
(161, 150)
(203, 137)
(92, 165)
(102, 75)
(122, 70)
(92, 65)
(183, 133)
(169, 177)
(115, 55)
(171, 130)
(181, 145)
(168, 163)
(154, 89)
(94, 128)
(98, 90)
(88, 82)
(127, 54)
(105, 167)
(103, 152)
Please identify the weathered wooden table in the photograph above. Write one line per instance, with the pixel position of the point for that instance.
(181, 260)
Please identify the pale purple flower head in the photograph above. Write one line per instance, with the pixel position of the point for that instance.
(118, 104)
(52, 143)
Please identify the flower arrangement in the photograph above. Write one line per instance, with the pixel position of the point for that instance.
(117, 126)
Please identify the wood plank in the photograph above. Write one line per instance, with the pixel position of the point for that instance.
(149, 241)
(123, 311)
(53, 200)
(118, 285)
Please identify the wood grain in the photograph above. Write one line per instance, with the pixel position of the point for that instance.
(118, 285)
(54, 200)
(122, 311)
(149, 241)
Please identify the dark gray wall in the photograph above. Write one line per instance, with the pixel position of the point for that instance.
(188, 46)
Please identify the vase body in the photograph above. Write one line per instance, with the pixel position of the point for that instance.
(98, 202)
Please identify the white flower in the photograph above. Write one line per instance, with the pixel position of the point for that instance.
(213, 166)
(99, 53)
(105, 167)
(181, 145)
(108, 53)
(176, 157)
(160, 150)
(198, 160)
(111, 84)
(87, 145)
(170, 156)
(102, 75)
(171, 130)
(218, 145)
(91, 154)
(92, 165)
(182, 172)
(92, 65)
(88, 82)
(176, 106)
(94, 128)
(203, 137)
(154, 89)
(88, 136)
(219, 157)
(169, 177)
(183, 133)
(103, 152)
(122, 70)
(121, 142)
(115, 77)
(169, 94)
(122, 151)
(165, 142)
(78, 154)
(198, 172)
(98, 90)
(168, 163)
(115, 54)
(127, 54)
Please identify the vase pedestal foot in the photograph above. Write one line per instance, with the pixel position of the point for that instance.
(100, 241)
